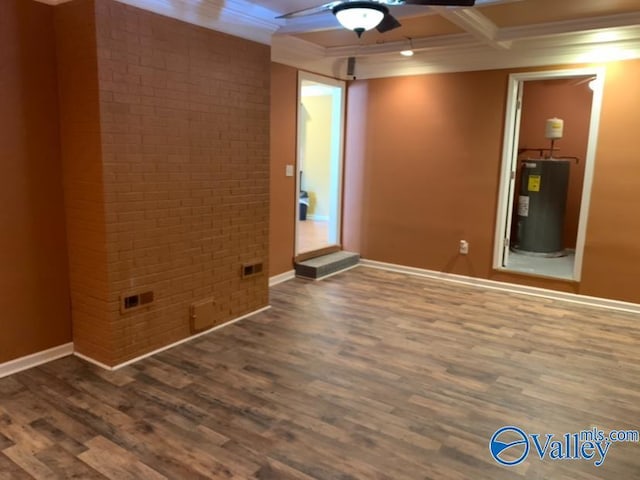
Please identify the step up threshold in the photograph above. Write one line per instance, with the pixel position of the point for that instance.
(325, 265)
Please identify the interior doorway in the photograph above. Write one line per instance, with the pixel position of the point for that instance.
(549, 148)
(319, 163)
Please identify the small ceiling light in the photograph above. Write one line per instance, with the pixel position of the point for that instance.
(409, 51)
(360, 16)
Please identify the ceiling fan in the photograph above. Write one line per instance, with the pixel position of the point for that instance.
(363, 15)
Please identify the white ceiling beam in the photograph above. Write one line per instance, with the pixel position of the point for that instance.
(569, 26)
(474, 22)
(559, 34)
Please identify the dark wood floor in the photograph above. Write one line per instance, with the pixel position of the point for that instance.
(368, 375)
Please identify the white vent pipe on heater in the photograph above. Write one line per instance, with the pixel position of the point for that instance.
(554, 130)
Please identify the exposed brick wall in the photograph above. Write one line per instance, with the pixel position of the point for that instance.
(83, 177)
(184, 122)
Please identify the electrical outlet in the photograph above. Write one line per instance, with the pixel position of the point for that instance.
(464, 247)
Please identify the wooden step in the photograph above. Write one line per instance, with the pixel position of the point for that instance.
(325, 265)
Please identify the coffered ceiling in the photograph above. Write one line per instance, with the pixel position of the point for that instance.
(493, 34)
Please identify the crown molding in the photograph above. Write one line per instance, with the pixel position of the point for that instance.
(622, 20)
(418, 44)
(482, 46)
(472, 58)
(599, 39)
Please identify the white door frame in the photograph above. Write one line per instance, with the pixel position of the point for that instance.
(510, 154)
(337, 151)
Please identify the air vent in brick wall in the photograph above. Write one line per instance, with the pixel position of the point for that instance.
(134, 301)
(251, 269)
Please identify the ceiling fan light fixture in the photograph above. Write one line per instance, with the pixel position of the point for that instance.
(360, 16)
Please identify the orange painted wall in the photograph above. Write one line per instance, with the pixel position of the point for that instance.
(612, 252)
(34, 284)
(422, 156)
(570, 100)
(423, 161)
(284, 87)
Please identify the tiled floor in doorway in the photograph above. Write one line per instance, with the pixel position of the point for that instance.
(312, 235)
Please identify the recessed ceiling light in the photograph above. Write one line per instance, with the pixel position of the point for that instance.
(408, 52)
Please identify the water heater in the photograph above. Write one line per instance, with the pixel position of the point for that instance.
(541, 207)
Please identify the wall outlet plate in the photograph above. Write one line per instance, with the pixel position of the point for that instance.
(288, 171)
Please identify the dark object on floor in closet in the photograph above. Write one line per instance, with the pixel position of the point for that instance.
(304, 204)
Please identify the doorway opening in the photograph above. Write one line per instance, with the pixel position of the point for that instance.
(319, 164)
(551, 130)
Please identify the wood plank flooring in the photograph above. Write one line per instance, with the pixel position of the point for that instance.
(365, 375)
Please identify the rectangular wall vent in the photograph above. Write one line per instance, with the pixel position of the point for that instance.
(251, 269)
(133, 301)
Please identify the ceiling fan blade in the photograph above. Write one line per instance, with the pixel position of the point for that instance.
(445, 3)
(389, 22)
(312, 10)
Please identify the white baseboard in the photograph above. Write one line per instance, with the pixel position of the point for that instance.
(35, 359)
(167, 347)
(283, 277)
(506, 287)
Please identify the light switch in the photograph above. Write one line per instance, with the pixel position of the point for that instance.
(289, 171)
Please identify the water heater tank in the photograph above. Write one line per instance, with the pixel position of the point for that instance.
(541, 207)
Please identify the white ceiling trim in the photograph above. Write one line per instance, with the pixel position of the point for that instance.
(474, 22)
(597, 39)
(418, 44)
(485, 58)
(569, 26)
(485, 46)
(465, 56)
